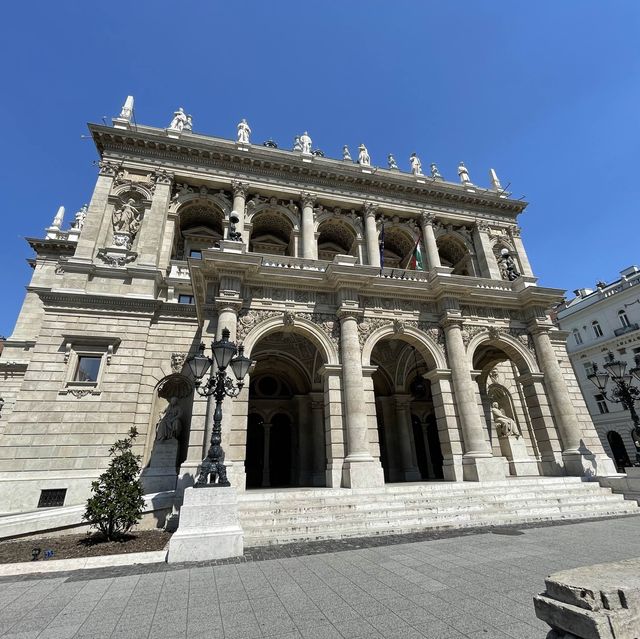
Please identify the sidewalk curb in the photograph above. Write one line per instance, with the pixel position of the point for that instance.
(102, 561)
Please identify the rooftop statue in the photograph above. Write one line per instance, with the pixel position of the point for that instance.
(363, 156)
(59, 217)
(127, 109)
(179, 120)
(416, 165)
(391, 161)
(79, 218)
(346, 155)
(463, 173)
(305, 143)
(434, 171)
(188, 125)
(243, 132)
(297, 145)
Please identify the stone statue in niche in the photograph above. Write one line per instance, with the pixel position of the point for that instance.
(169, 425)
(126, 223)
(507, 264)
(243, 132)
(505, 426)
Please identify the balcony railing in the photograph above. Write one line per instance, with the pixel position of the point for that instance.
(625, 329)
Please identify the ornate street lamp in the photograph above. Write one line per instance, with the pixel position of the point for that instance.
(219, 385)
(624, 392)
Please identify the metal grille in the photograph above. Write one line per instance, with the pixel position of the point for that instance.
(52, 497)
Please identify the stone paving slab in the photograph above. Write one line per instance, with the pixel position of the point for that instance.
(467, 586)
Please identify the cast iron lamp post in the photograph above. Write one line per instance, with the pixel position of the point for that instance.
(624, 392)
(219, 385)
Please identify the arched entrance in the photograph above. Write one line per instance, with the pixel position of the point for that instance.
(407, 431)
(285, 427)
(620, 456)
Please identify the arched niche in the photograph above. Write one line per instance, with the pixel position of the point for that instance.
(200, 226)
(398, 246)
(271, 232)
(456, 254)
(335, 237)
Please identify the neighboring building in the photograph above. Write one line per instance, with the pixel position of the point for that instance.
(599, 321)
(364, 373)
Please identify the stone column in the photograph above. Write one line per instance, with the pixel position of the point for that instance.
(429, 237)
(360, 470)
(478, 462)
(331, 375)
(150, 234)
(309, 247)
(319, 448)
(484, 251)
(266, 470)
(405, 434)
(518, 245)
(371, 234)
(97, 207)
(240, 190)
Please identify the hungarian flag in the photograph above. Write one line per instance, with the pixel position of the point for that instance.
(416, 262)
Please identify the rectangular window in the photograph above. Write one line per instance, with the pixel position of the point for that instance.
(88, 368)
(196, 254)
(185, 299)
(588, 368)
(577, 337)
(602, 404)
(52, 497)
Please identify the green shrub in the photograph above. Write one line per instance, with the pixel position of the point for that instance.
(116, 503)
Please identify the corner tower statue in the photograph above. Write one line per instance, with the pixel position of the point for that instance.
(366, 372)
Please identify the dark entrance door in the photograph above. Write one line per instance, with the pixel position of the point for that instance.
(280, 451)
(421, 451)
(254, 458)
(433, 442)
(619, 451)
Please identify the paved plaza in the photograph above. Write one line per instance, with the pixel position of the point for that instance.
(473, 585)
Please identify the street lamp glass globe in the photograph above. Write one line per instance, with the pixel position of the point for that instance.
(599, 379)
(240, 365)
(615, 368)
(199, 364)
(223, 350)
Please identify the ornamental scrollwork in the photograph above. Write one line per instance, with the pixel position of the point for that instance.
(109, 168)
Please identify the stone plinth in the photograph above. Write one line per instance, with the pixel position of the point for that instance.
(627, 485)
(593, 602)
(484, 468)
(515, 450)
(161, 473)
(209, 526)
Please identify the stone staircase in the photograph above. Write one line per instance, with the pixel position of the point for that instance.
(305, 514)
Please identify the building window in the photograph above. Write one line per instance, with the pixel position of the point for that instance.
(576, 336)
(195, 254)
(624, 319)
(88, 368)
(602, 404)
(588, 368)
(185, 299)
(52, 497)
(597, 330)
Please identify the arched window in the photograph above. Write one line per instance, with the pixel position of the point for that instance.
(577, 336)
(597, 330)
(624, 319)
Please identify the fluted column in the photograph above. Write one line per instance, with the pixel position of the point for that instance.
(240, 190)
(405, 435)
(309, 247)
(360, 470)
(371, 234)
(525, 266)
(427, 221)
(561, 404)
(478, 462)
(484, 251)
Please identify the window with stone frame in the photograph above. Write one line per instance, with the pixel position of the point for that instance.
(602, 404)
(86, 358)
(624, 318)
(577, 336)
(597, 329)
(588, 368)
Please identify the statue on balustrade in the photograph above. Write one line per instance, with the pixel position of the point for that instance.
(243, 132)
(363, 156)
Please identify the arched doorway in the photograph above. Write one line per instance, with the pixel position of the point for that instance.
(285, 428)
(618, 450)
(409, 450)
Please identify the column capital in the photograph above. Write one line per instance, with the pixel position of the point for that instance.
(450, 320)
(350, 313)
(226, 304)
(402, 401)
(482, 226)
(370, 209)
(535, 327)
(514, 230)
(160, 176)
(239, 188)
(308, 199)
(427, 218)
(109, 168)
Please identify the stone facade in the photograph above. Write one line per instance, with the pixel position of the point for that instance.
(605, 319)
(365, 372)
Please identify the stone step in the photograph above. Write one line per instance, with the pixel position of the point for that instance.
(414, 500)
(299, 515)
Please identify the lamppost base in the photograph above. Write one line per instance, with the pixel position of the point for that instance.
(209, 527)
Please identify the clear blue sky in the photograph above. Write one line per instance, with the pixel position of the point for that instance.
(545, 92)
